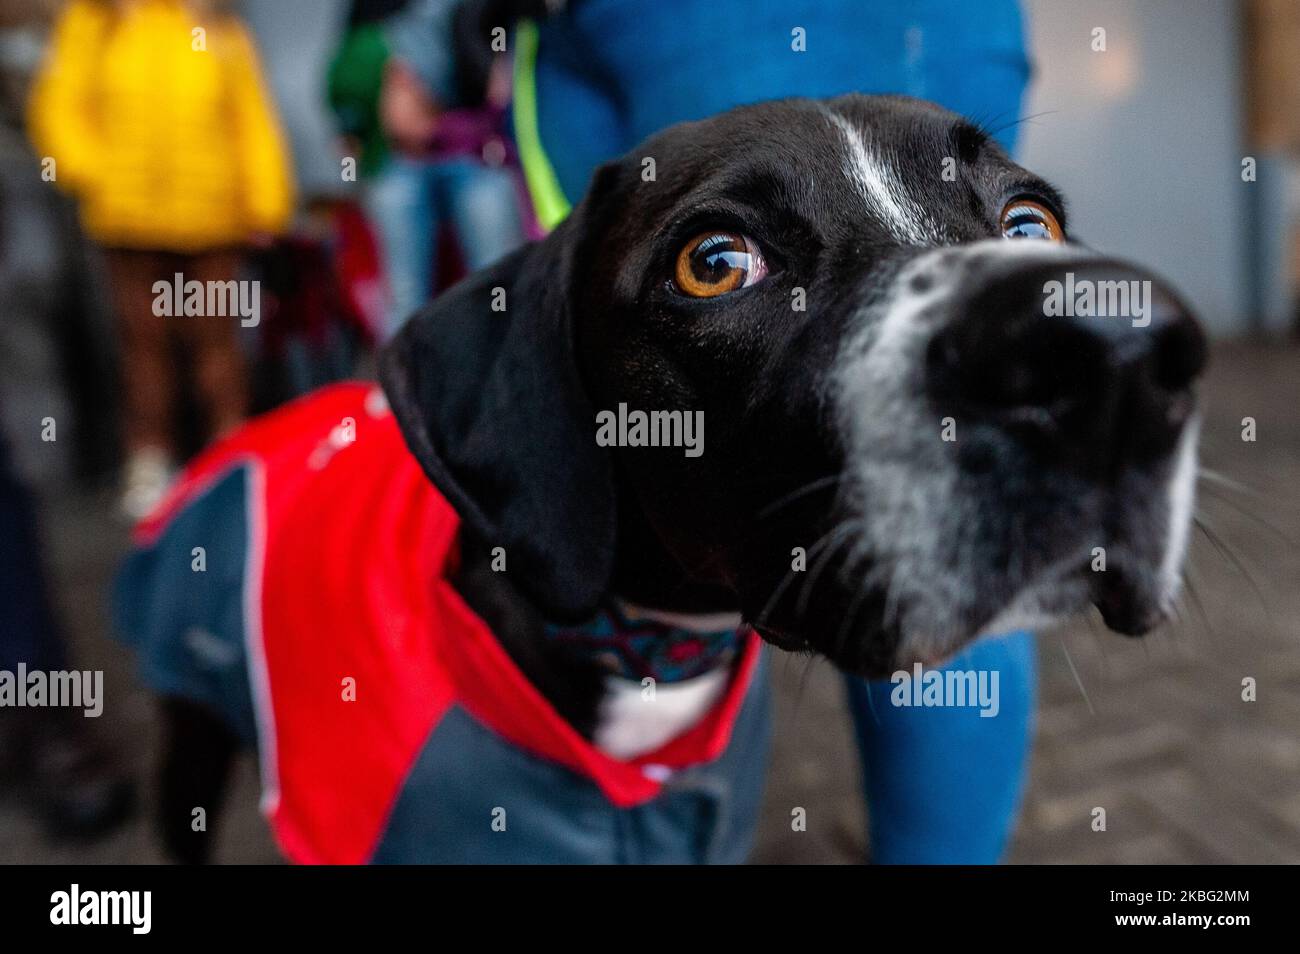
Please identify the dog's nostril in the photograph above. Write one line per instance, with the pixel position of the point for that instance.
(921, 283)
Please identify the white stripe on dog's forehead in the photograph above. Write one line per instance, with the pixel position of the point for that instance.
(868, 168)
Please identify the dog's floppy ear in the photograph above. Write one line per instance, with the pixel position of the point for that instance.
(485, 386)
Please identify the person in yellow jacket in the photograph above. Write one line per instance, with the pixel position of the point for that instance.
(153, 113)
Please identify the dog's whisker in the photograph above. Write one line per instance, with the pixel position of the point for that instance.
(789, 577)
(1194, 595)
(1231, 483)
(992, 131)
(1195, 599)
(1178, 621)
(810, 661)
(1077, 681)
(1099, 639)
(846, 533)
(1250, 514)
(1229, 556)
(850, 621)
(770, 510)
(891, 611)
(821, 483)
(871, 707)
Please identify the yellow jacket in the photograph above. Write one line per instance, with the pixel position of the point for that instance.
(164, 133)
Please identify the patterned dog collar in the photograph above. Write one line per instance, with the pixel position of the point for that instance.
(636, 645)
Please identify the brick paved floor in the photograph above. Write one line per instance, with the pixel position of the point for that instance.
(1186, 771)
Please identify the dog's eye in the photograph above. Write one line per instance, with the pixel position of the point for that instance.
(1025, 218)
(714, 263)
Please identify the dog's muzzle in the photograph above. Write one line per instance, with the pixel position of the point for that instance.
(1021, 429)
(1088, 365)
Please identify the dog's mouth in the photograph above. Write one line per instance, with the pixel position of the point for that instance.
(1124, 598)
(1123, 605)
(864, 629)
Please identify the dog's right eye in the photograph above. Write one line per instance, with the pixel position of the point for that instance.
(1025, 218)
(714, 263)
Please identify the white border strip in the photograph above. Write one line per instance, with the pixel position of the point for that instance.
(258, 679)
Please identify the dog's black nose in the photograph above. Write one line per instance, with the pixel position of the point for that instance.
(1092, 360)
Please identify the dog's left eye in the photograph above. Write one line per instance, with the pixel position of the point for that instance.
(1025, 218)
(714, 263)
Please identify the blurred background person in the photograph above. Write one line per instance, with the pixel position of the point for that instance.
(58, 354)
(60, 768)
(422, 102)
(156, 119)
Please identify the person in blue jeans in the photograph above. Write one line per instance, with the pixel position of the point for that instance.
(425, 111)
(595, 77)
(409, 199)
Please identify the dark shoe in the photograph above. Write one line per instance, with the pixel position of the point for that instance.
(75, 790)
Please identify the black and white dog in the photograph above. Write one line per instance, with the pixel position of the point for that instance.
(908, 374)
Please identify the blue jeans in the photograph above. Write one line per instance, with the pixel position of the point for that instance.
(408, 201)
(943, 784)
